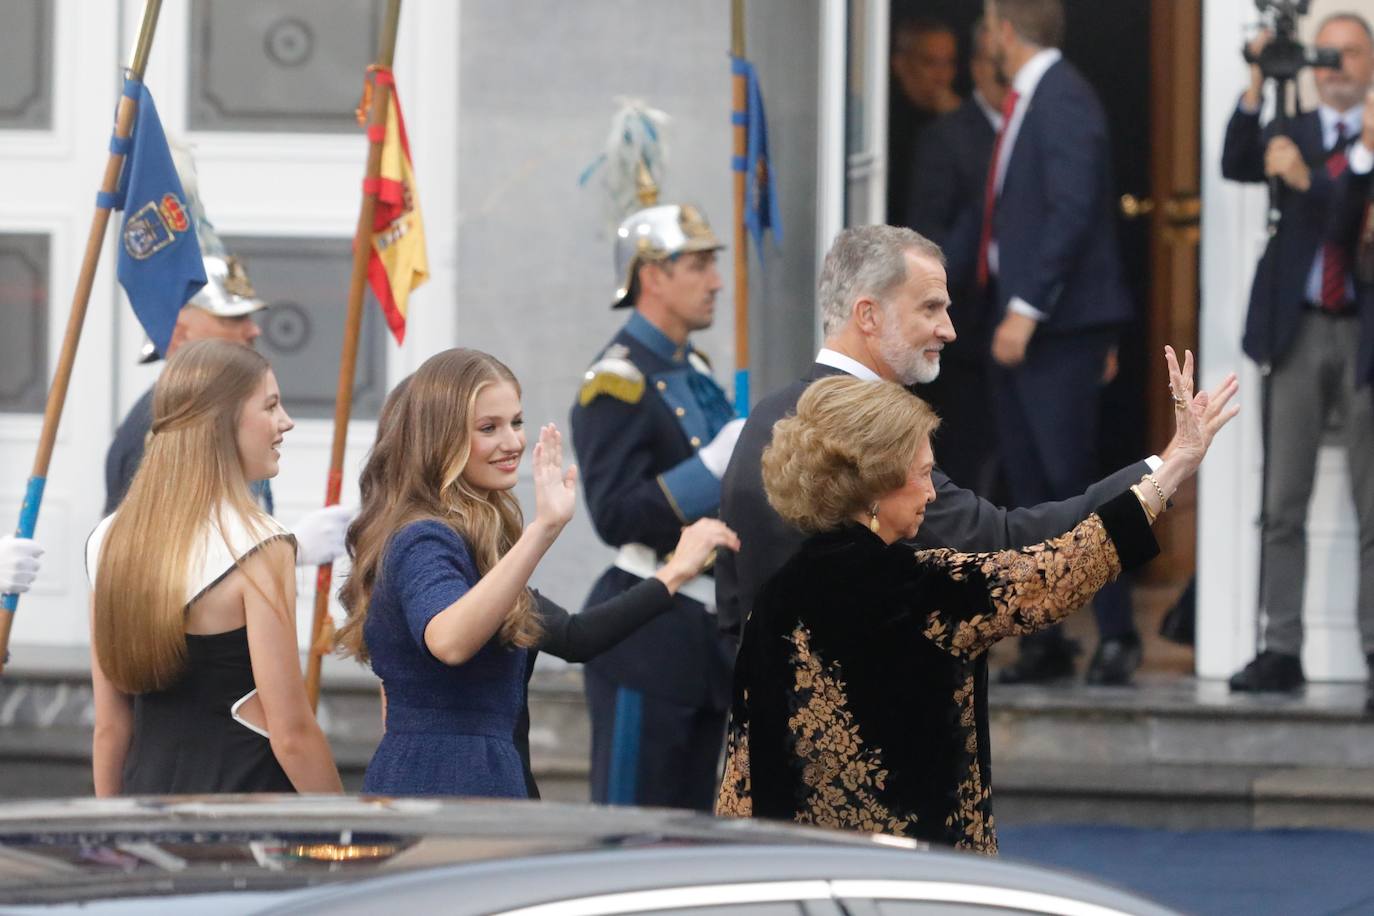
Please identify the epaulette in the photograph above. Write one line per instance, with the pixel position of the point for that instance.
(612, 375)
(699, 361)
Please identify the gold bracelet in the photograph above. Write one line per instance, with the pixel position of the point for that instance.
(1150, 514)
(1163, 500)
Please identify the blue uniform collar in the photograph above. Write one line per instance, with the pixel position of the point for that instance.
(643, 330)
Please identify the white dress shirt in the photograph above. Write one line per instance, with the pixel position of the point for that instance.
(837, 360)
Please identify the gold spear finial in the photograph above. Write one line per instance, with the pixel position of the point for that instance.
(646, 189)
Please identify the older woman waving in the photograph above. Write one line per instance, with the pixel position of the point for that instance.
(861, 688)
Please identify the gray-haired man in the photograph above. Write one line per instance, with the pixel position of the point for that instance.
(885, 312)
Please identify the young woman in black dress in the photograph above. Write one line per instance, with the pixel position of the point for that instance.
(194, 664)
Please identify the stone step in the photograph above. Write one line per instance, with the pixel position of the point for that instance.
(1183, 721)
(1184, 797)
(1174, 752)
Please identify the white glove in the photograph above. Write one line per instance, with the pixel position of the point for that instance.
(320, 535)
(716, 453)
(18, 564)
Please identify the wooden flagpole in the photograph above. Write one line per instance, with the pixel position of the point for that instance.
(740, 85)
(76, 318)
(348, 360)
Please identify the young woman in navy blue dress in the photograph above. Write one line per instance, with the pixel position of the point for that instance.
(438, 599)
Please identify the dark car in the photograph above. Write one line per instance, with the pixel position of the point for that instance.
(298, 855)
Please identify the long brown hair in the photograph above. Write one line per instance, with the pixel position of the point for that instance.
(415, 472)
(190, 475)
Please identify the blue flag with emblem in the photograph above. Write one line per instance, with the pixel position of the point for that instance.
(760, 195)
(160, 264)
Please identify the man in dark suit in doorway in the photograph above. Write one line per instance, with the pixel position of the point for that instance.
(1050, 262)
(884, 307)
(946, 206)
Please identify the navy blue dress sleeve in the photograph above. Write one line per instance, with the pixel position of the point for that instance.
(431, 567)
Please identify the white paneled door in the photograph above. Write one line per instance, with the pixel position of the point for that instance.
(264, 93)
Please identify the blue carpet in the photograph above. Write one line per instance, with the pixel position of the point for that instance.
(1213, 873)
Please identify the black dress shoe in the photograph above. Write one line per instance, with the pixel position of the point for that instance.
(1114, 661)
(1040, 662)
(1269, 672)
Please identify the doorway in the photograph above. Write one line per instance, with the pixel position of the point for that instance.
(1143, 58)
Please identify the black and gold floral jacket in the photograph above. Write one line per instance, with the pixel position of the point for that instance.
(860, 696)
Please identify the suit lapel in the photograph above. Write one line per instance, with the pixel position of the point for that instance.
(1310, 140)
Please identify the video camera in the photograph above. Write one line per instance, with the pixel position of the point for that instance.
(1284, 56)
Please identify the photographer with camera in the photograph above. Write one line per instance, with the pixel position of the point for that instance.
(1301, 327)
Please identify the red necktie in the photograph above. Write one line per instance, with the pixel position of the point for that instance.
(990, 190)
(1335, 259)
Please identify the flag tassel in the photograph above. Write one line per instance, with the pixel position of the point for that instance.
(76, 318)
(348, 359)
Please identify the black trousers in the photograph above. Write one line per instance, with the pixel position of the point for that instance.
(650, 751)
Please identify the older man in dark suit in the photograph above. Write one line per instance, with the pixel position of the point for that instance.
(1303, 328)
(946, 206)
(1049, 259)
(885, 311)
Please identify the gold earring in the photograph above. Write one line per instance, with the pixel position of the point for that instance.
(873, 518)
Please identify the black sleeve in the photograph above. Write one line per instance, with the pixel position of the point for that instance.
(963, 520)
(1242, 150)
(579, 637)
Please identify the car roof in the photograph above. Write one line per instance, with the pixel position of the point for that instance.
(349, 854)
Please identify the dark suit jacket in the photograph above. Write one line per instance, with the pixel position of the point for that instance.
(1054, 221)
(905, 122)
(957, 518)
(1353, 197)
(1307, 220)
(948, 180)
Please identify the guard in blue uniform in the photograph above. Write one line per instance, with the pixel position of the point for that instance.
(653, 433)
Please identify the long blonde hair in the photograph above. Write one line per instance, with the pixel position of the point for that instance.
(414, 472)
(190, 475)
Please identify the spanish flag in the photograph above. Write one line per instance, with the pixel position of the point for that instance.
(398, 262)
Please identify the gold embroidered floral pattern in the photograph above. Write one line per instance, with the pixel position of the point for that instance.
(971, 824)
(840, 773)
(736, 796)
(1029, 589)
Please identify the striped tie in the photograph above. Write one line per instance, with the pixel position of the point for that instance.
(1335, 258)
